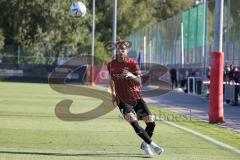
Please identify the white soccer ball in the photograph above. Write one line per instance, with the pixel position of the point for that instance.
(78, 9)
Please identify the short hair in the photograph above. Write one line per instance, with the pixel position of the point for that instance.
(121, 43)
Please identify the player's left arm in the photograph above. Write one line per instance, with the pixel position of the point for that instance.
(135, 75)
(138, 79)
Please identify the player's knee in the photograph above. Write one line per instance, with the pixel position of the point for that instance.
(130, 117)
(138, 129)
(151, 125)
(148, 118)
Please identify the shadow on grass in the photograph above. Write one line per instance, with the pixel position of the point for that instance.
(110, 154)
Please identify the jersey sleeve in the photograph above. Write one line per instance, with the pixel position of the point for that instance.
(108, 67)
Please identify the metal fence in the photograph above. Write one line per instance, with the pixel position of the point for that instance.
(186, 40)
(34, 54)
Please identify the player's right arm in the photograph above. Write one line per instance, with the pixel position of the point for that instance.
(112, 87)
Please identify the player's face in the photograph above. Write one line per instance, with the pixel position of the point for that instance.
(122, 50)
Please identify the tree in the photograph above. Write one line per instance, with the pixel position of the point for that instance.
(131, 16)
(2, 38)
(45, 27)
(169, 8)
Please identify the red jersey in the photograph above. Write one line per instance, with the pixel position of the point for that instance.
(126, 89)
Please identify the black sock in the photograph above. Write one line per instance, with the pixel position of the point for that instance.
(150, 128)
(141, 132)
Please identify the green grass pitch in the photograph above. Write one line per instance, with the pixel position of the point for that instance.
(30, 130)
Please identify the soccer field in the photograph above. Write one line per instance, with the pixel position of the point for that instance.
(29, 129)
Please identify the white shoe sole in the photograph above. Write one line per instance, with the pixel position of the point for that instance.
(147, 153)
(162, 150)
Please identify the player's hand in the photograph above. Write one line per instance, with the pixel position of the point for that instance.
(128, 74)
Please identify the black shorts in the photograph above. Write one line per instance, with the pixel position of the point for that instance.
(140, 109)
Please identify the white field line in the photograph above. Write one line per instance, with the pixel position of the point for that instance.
(204, 137)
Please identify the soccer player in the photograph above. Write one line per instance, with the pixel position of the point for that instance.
(125, 82)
